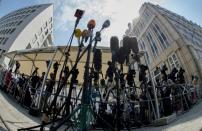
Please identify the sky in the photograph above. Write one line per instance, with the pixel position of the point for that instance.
(119, 12)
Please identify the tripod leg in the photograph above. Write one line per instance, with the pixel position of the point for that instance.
(78, 95)
(65, 120)
(95, 114)
(151, 103)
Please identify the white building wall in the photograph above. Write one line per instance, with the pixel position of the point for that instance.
(27, 33)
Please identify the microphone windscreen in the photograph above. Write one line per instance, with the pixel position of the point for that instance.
(133, 44)
(91, 24)
(126, 43)
(114, 44)
(97, 59)
(121, 55)
(77, 33)
(106, 24)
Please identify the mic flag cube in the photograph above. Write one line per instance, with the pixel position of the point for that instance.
(79, 13)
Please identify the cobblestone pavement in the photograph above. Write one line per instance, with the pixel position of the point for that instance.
(15, 117)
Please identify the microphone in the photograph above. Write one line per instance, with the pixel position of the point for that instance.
(114, 46)
(121, 55)
(89, 33)
(77, 33)
(79, 13)
(91, 24)
(106, 24)
(83, 34)
(126, 43)
(97, 59)
(133, 44)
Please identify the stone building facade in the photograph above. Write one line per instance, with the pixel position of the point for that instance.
(168, 38)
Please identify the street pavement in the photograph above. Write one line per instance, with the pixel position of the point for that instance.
(15, 117)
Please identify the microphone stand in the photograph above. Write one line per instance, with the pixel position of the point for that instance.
(117, 79)
(85, 108)
(60, 86)
(74, 73)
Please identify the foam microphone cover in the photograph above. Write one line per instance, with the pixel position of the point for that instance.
(133, 44)
(97, 59)
(121, 55)
(126, 44)
(91, 24)
(114, 44)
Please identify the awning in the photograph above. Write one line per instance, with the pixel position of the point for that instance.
(39, 56)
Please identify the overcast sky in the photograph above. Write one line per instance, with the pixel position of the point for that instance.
(119, 12)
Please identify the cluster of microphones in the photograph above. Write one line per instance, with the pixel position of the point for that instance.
(121, 54)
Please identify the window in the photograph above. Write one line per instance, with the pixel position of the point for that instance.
(38, 44)
(45, 25)
(1, 39)
(19, 22)
(5, 40)
(34, 39)
(152, 44)
(28, 46)
(33, 11)
(162, 42)
(51, 26)
(12, 30)
(199, 54)
(3, 51)
(46, 32)
(45, 44)
(40, 31)
(162, 35)
(173, 61)
(50, 20)
(143, 47)
(41, 38)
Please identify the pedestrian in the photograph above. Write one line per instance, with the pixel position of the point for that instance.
(7, 80)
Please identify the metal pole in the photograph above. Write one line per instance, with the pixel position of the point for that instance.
(12, 62)
(44, 79)
(33, 64)
(155, 95)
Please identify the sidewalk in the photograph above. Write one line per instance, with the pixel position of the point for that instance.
(190, 121)
(14, 115)
(17, 117)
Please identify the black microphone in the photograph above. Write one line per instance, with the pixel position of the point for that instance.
(121, 55)
(79, 13)
(114, 46)
(126, 43)
(133, 44)
(91, 24)
(97, 59)
(106, 24)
